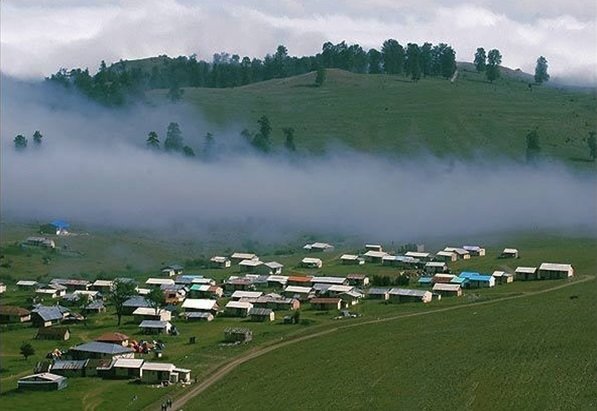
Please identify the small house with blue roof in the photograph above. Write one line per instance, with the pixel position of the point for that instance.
(477, 280)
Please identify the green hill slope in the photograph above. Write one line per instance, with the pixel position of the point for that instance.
(382, 113)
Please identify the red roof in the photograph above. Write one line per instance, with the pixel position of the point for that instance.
(112, 337)
(299, 279)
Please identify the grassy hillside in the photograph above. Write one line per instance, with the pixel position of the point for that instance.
(534, 352)
(382, 113)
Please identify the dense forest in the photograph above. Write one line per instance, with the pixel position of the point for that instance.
(116, 84)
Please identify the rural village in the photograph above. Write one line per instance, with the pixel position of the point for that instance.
(250, 291)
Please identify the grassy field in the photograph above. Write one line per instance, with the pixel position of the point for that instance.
(535, 352)
(388, 114)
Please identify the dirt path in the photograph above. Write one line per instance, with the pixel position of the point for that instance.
(243, 358)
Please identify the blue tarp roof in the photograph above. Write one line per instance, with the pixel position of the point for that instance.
(60, 224)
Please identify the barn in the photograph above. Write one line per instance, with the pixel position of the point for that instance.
(404, 295)
(526, 273)
(447, 290)
(552, 271)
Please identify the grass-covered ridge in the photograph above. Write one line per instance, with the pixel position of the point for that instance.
(392, 115)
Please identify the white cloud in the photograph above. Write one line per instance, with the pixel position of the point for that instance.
(40, 37)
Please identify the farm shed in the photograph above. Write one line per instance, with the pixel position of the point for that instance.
(103, 286)
(351, 259)
(238, 257)
(551, 271)
(475, 250)
(509, 253)
(72, 284)
(357, 280)
(326, 303)
(220, 262)
(476, 280)
(447, 290)
(310, 262)
(277, 303)
(442, 278)
(127, 368)
(461, 253)
(419, 255)
(53, 333)
(158, 282)
(271, 268)
(27, 284)
(100, 350)
(434, 267)
(42, 382)
(201, 304)
(351, 297)
(299, 280)
(445, 256)
(155, 327)
(149, 313)
(13, 314)
(206, 291)
(502, 277)
(378, 293)
(249, 266)
(46, 316)
(155, 372)
(336, 289)
(298, 292)
(114, 338)
(236, 283)
(329, 280)
(318, 247)
(261, 314)
(425, 281)
(197, 316)
(277, 280)
(238, 308)
(237, 295)
(203, 280)
(50, 293)
(374, 256)
(404, 295)
(172, 270)
(69, 368)
(526, 273)
(401, 261)
(133, 303)
(41, 242)
(238, 334)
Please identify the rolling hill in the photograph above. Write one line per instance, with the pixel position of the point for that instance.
(389, 114)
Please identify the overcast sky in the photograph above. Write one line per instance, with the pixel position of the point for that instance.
(39, 37)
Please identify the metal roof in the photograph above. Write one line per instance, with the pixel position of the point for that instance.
(27, 283)
(197, 314)
(239, 304)
(529, 270)
(51, 313)
(260, 311)
(243, 256)
(555, 267)
(408, 292)
(297, 289)
(377, 291)
(158, 366)
(311, 260)
(154, 324)
(435, 264)
(246, 294)
(446, 287)
(136, 301)
(328, 280)
(349, 257)
(375, 254)
(200, 304)
(102, 348)
(148, 311)
(69, 364)
(159, 281)
(44, 376)
(127, 363)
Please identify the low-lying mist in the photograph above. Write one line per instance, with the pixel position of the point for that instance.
(93, 169)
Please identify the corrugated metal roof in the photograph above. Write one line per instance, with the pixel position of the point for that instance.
(297, 289)
(102, 348)
(199, 304)
(446, 287)
(260, 311)
(158, 366)
(246, 294)
(528, 270)
(555, 267)
(378, 291)
(239, 304)
(69, 365)
(128, 363)
(328, 280)
(154, 324)
(408, 292)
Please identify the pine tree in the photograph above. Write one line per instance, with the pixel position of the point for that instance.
(541, 75)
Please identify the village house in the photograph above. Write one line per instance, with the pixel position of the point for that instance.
(333, 290)
(41, 242)
(310, 262)
(378, 293)
(100, 350)
(130, 305)
(509, 253)
(27, 285)
(298, 292)
(299, 280)
(201, 305)
(445, 256)
(400, 261)
(52, 292)
(172, 270)
(56, 227)
(155, 327)
(442, 278)
(103, 286)
(261, 314)
(246, 295)
(155, 372)
(425, 281)
(69, 368)
(374, 256)
(404, 295)
(46, 316)
(526, 273)
(447, 290)
(502, 277)
(249, 266)
(150, 313)
(318, 247)
(277, 280)
(205, 291)
(13, 314)
(419, 255)
(238, 308)
(277, 302)
(461, 253)
(42, 382)
(174, 294)
(72, 284)
(357, 280)
(53, 333)
(271, 268)
(126, 368)
(475, 250)
(236, 334)
(351, 297)
(238, 257)
(326, 303)
(114, 338)
(329, 280)
(551, 271)
(238, 283)
(435, 267)
(373, 247)
(220, 262)
(351, 259)
(158, 282)
(476, 280)
(197, 316)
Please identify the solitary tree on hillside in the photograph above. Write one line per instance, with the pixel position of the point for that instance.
(188, 151)
(20, 142)
(173, 140)
(289, 142)
(155, 299)
(592, 143)
(494, 59)
(122, 291)
(37, 138)
(480, 60)
(541, 75)
(320, 76)
(261, 140)
(533, 147)
(153, 140)
(27, 350)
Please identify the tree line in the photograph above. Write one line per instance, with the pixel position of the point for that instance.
(115, 84)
